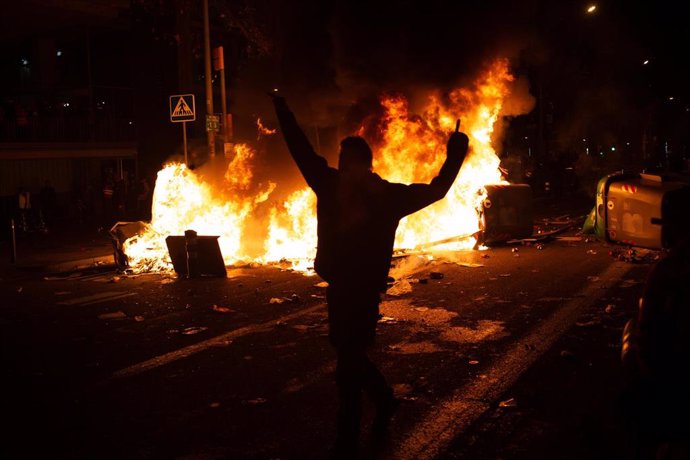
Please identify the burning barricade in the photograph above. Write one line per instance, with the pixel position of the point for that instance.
(409, 148)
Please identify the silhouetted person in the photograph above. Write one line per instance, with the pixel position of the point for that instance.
(664, 348)
(24, 208)
(358, 214)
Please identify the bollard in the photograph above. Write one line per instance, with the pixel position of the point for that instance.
(13, 256)
(192, 247)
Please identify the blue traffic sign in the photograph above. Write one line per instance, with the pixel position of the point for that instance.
(182, 108)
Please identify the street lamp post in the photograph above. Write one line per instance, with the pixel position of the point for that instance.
(209, 88)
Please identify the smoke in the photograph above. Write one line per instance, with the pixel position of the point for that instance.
(331, 56)
(412, 46)
(333, 61)
(520, 101)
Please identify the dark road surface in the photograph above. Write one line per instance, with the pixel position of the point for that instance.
(510, 355)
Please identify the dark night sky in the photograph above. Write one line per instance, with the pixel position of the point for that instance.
(331, 54)
(328, 56)
(385, 43)
(397, 42)
(340, 52)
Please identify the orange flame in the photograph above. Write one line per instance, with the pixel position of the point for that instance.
(263, 130)
(182, 200)
(411, 149)
(292, 231)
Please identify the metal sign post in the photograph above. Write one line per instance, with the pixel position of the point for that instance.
(184, 142)
(182, 110)
(210, 134)
(219, 65)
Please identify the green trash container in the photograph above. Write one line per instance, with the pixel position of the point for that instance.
(635, 209)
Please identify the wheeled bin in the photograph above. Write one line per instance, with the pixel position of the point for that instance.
(637, 209)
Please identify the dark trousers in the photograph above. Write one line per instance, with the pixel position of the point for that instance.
(353, 314)
(354, 373)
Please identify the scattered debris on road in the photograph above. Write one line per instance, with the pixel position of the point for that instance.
(193, 330)
(399, 288)
(510, 402)
(635, 255)
(114, 315)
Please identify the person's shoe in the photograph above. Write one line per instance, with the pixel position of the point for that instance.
(384, 414)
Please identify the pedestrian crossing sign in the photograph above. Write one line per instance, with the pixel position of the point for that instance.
(182, 108)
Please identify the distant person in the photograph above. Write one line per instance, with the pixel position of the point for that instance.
(661, 402)
(358, 213)
(24, 208)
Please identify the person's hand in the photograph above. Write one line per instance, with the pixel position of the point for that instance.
(276, 97)
(279, 102)
(458, 142)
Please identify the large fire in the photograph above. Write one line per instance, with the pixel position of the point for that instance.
(412, 149)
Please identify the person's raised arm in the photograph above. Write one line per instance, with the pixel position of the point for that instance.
(312, 166)
(417, 196)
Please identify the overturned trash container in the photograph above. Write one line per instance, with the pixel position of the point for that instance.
(121, 232)
(507, 213)
(637, 209)
(195, 255)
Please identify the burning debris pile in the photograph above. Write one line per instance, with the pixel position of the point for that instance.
(409, 148)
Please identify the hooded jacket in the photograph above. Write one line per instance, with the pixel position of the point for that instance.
(358, 213)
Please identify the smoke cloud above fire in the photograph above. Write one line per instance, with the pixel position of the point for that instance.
(407, 45)
(333, 60)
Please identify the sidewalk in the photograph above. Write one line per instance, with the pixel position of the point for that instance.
(56, 251)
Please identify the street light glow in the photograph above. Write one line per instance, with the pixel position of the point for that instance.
(591, 9)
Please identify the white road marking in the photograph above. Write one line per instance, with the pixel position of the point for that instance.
(185, 352)
(456, 413)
